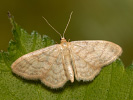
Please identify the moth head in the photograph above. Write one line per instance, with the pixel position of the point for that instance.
(63, 40)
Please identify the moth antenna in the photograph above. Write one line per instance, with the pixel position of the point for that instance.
(67, 24)
(51, 26)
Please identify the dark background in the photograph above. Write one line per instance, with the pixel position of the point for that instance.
(110, 20)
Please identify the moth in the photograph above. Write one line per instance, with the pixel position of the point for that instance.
(59, 63)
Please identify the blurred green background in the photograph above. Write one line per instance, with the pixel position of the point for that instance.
(110, 20)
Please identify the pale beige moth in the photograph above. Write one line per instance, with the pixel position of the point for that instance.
(59, 63)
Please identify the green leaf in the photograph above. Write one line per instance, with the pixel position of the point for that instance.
(113, 83)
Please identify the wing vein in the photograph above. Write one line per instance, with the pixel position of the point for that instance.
(51, 65)
(84, 60)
